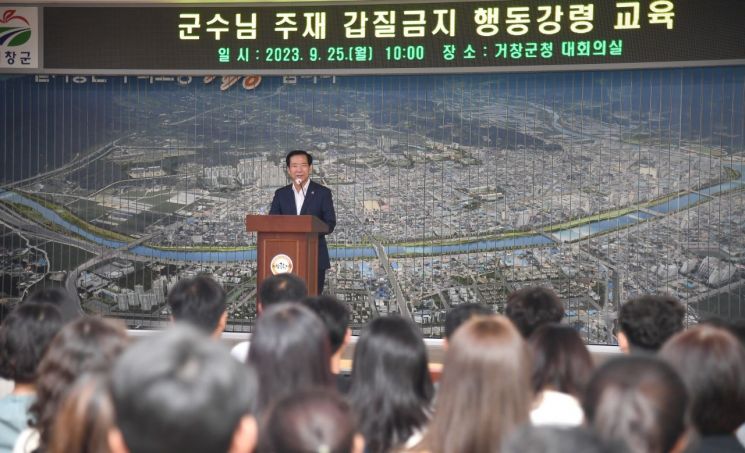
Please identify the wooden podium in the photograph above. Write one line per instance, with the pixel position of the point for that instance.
(287, 243)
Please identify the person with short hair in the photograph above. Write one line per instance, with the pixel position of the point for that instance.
(277, 289)
(532, 307)
(459, 314)
(314, 420)
(639, 401)
(646, 322)
(711, 362)
(281, 288)
(176, 392)
(68, 306)
(25, 335)
(199, 301)
(306, 197)
(335, 316)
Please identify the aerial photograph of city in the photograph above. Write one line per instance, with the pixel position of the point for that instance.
(449, 188)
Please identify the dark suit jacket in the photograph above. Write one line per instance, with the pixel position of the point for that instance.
(319, 203)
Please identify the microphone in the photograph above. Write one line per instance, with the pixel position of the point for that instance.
(299, 182)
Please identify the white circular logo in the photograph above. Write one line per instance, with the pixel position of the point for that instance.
(281, 264)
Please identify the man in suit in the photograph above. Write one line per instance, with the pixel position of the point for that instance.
(305, 197)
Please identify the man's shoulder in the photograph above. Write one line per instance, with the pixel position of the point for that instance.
(283, 189)
(319, 187)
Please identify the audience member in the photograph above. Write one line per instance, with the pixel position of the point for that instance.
(711, 362)
(553, 439)
(281, 288)
(86, 345)
(335, 316)
(84, 418)
(315, 420)
(532, 307)
(25, 335)
(200, 301)
(645, 323)
(562, 365)
(277, 289)
(59, 297)
(484, 393)
(458, 315)
(391, 386)
(179, 393)
(639, 401)
(290, 352)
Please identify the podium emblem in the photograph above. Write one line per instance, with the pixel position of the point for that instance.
(281, 264)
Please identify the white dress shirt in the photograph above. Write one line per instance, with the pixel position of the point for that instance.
(300, 195)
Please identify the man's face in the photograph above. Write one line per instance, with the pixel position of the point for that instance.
(299, 168)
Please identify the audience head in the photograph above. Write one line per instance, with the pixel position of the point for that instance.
(335, 316)
(59, 297)
(200, 301)
(487, 366)
(391, 385)
(315, 420)
(177, 392)
(553, 439)
(711, 362)
(84, 418)
(25, 335)
(289, 351)
(281, 288)
(460, 314)
(87, 345)
(646, 322)
(640, 401)
(561, 360)
(530, 308)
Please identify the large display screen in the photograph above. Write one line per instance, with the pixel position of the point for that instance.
(400, 37)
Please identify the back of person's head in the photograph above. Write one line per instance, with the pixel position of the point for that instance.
(487, 366)
(391, 385)
(84, 418)
(711, 362)
(335, 316)
(648, 321)
(290, 351)
(640, 401)
(25, 335)
(88, 345)
(462, 313)
(529, 308)
(561, 360)
(553, 439)
(282, 288)
(199, 301)
(311, 421)
(59, 297)
(178, 392)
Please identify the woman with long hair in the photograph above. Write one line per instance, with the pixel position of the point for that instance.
(391, 387)
(562, 365)
(484, 393)
(88, 345)
(290, 352)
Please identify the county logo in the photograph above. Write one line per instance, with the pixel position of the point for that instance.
(13, 32)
